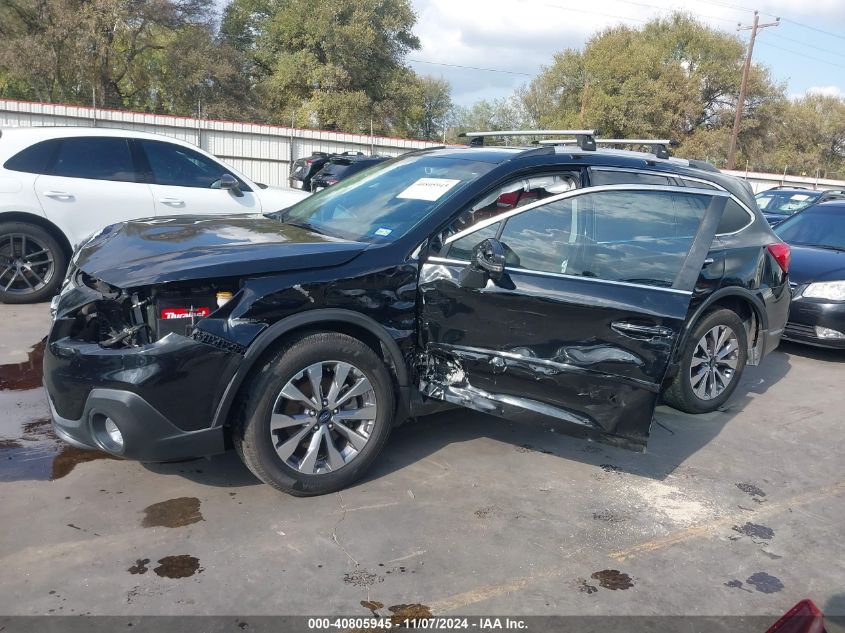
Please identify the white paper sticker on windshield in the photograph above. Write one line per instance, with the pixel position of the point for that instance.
(428, 189)
(800, 196)
(382, 232)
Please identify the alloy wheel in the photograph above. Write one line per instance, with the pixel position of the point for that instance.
(26, 265)
(323, 417)
(714, 362)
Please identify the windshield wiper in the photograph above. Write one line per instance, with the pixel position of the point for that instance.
(303, 225)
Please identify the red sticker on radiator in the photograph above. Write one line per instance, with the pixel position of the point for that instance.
(184, 313)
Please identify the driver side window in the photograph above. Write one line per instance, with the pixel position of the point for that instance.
(179, 166)
(511, 195)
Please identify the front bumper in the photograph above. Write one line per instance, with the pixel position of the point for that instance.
(162, 396)
(806, 314)
(147, 434)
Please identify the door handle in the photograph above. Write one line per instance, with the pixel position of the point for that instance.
(59, 195)
(709, 260)
(172, 202)
(638, 330)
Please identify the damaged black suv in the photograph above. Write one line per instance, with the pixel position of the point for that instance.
(562, 283)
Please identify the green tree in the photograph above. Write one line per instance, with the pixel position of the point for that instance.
(160, 55)
(497, 114)
(430, 109)
(335, 64)
(810, 139)
(674, 77)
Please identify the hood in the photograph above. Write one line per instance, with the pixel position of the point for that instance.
(159, 250)
(810, 263)
(277, 198)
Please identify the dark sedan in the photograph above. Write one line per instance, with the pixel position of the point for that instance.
(781, 202)
(817, 274)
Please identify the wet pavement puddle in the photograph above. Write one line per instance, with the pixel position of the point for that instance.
(38, 455)
(33, 452)
(173, 513)
(25, 375)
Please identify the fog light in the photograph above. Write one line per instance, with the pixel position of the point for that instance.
(107, 433)
(113, 432)
(826, 332)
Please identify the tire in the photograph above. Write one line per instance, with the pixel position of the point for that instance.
(32, 263)
(693, 390)
(281, 452)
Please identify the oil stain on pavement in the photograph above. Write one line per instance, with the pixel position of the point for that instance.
(613, 579)
(140, 566)
(755, 531)
(764, 583)
(180, 566)
(173, 513)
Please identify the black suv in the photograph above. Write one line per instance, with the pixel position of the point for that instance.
(304, 169)
(340, 167)
(778, 203)
(555, 283)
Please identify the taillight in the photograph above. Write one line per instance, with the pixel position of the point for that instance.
(309, 162)
(331, 182)
(804, 617)
(781, 252)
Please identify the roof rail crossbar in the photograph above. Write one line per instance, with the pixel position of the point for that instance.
(659, 147)
(584, 138)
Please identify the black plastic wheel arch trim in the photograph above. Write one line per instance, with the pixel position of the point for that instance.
(312, 317)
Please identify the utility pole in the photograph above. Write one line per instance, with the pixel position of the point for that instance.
(744, 85)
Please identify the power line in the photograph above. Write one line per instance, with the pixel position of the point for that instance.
(783, 19)
(818, 48)
(813, 28)
(489, 70)
(817, 59)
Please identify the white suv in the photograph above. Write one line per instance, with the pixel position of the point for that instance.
(60, 185)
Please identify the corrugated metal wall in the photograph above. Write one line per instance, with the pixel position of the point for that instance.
(263, 152)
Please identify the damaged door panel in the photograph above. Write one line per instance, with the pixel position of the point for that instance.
(580, 323)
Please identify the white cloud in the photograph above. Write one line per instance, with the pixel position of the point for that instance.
(521, 36)
(827, 91)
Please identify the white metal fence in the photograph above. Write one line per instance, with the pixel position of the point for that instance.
(263, 152)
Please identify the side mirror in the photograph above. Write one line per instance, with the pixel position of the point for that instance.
(486, 262)
(228, 181)
(489, 256)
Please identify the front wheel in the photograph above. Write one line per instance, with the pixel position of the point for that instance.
(316, 415)
(711, 364)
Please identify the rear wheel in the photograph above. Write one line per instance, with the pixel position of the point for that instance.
(316, 414)
(711, 364)
(32, 263)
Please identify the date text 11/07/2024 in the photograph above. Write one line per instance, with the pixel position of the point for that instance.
(428, 623)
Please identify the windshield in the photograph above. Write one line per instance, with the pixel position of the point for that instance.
(383, 203)
(820, 226)
(785, 202)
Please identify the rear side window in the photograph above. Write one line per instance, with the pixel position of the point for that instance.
(600, 177)
(734, 219)
(35, 159)
(638, 237)
(95, 158)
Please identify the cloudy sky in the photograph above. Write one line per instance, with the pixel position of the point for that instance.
(512, 39)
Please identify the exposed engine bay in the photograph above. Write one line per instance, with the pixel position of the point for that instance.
(123, 318)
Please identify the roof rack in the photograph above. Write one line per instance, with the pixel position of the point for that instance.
(584, 138)
(659, 147)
